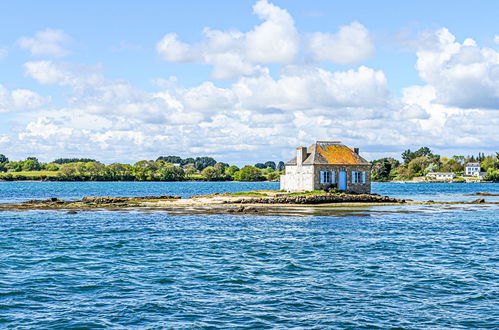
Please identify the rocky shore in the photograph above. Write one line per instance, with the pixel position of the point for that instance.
(261, 202)
(321, 199)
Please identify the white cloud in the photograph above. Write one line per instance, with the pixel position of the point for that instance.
(20, 100)
(260, 115)
(63, 74)
(233, 53)
(314, 88)
(463, 74)
(496, 39)
(47, 42)
(351, 44)
(276, 39)
(173, 50)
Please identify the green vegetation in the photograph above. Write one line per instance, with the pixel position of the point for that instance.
(165, 168)
(174, 168)
(61, 161)
(423, 161)
(249, 194)
(249, 173)
(28, 175)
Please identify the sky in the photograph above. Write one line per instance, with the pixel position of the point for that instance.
(246, 81)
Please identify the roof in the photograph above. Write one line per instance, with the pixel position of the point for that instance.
(331, 153)
(472, 164)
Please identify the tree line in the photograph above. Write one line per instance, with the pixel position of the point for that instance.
(422, 161)
(164, 168)
(174, 168)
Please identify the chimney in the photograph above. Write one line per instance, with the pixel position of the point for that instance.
(301, 155)
(356, 150)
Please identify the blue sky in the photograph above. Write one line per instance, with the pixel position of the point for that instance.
(246, 80)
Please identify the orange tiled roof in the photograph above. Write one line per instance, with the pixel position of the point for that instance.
(331, 152)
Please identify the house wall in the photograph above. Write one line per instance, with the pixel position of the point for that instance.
(307, 177)
(298, 178)
(472, 170)
(351, 187)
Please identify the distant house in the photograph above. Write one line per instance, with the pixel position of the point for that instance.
(441, 175)
(327, 164)
(472, 169)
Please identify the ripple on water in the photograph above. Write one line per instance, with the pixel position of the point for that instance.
(102, 269)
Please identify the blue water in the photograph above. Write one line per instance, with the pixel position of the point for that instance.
(434, 268)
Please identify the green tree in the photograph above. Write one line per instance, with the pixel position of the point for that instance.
(451, 165)
(249, 173)
(170, 173)
(274, 176)
(52, 167)
(31, 164)
(209, 173)
(3, 159)
(190, 170)
(492, 175)
(281, 166)
(14, 166)
(202, 162)
(382, 169)
(489, 162)
(61, 161)
(171, 159)
(270, 164)
(417, 165)
(231, 170)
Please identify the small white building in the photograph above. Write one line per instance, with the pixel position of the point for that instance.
(441, 175)
(472, 169)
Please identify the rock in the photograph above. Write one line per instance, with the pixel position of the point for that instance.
(479, 201)
(71, 212)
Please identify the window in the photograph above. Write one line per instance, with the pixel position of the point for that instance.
(325, 177)
(358, 177)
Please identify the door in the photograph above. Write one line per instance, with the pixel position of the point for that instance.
(342, 184)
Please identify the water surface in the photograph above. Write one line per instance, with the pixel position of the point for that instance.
(381, 267)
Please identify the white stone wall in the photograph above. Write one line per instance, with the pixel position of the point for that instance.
(307, 177)
(298, 178)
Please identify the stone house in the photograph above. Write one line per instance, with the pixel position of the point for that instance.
(327, 164)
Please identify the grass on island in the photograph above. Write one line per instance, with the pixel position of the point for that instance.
(267, 193)
(249, 194)
(28, 175)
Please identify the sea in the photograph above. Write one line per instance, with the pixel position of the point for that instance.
(413, 266)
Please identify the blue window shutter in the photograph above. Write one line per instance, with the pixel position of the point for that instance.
(363, 176)
(333, 177)
(322, 177)
(353, 176)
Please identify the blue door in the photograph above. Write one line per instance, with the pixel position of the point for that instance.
(342, 184)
